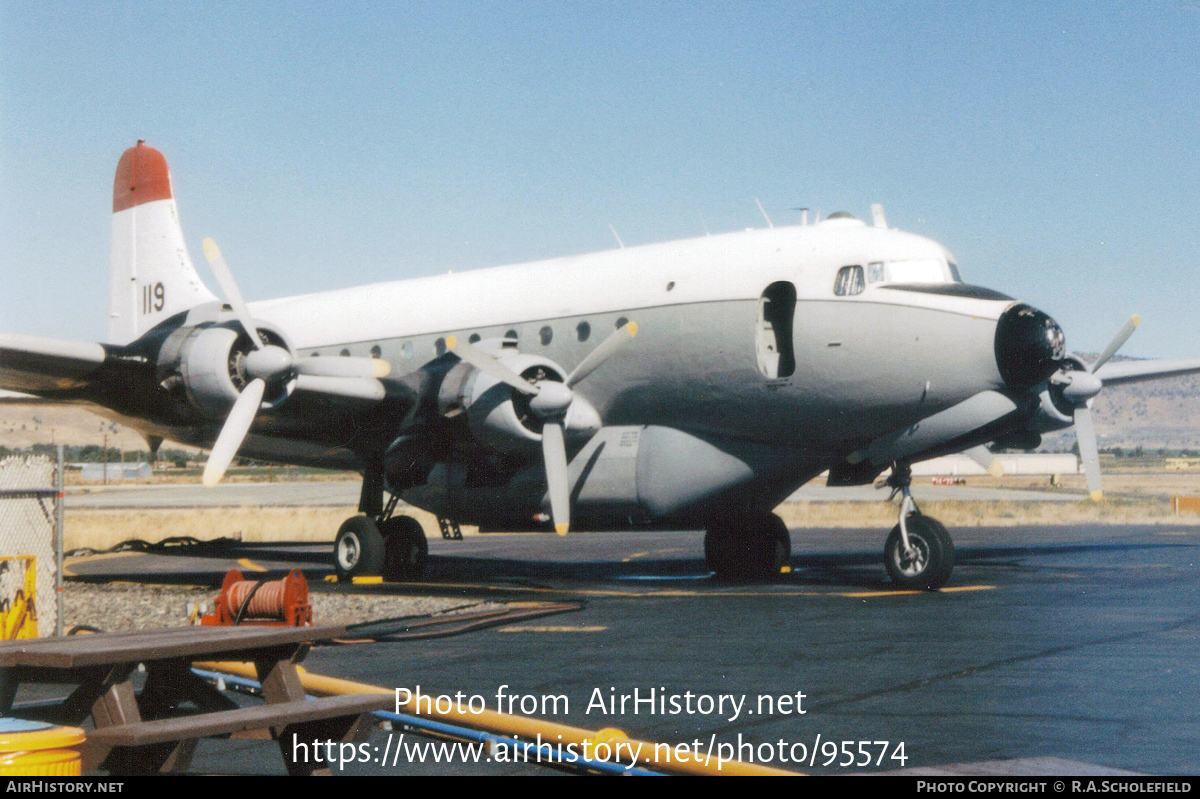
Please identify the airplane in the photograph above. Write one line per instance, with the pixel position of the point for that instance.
(688, 384)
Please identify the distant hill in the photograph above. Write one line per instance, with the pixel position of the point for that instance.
(1160, 413)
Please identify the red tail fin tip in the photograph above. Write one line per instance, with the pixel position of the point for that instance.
(142, 177)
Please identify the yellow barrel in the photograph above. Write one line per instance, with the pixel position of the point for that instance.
(37, 749)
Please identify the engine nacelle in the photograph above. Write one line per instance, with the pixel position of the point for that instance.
(209, 360)
(499, 416)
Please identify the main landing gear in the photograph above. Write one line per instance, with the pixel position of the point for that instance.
(747, 547)
(393, 547)
(919, 553)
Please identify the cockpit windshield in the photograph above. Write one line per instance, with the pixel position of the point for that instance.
(925, 270)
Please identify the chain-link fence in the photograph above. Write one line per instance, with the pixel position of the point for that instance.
(30, 537)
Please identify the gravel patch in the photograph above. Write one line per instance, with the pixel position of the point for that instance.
(125, 606)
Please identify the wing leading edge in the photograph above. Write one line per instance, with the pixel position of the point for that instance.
(47, 365)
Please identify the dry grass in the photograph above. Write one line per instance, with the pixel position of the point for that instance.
(99, 529)
(984, 514)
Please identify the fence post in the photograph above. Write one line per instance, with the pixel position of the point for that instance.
(60, 500)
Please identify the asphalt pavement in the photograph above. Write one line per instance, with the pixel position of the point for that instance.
(1072, 642)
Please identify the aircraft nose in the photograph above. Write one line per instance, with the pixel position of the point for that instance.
(1029, 346)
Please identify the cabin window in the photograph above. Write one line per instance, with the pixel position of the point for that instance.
(773, 342)
(440, 346)
(621, 322)
(473, 338)
(546, 335)
(345, 353)
(511, 334)
(583, 330)
(376, 351)
(954, 273)
(407, 349)
(876, 273)
(849, 281)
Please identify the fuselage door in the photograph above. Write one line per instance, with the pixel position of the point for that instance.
(773, 334)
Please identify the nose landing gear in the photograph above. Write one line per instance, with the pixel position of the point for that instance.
(919, 553)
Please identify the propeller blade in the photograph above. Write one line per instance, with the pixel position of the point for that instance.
(554, 453)
(342, 366)
(486, 363)
(1085, 435)
(987, 461)
(237, 424)
(602, 353)
(1117, 342)
(359, 388)
(233, 296)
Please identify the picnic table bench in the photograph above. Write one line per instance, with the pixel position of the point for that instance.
(158, 729)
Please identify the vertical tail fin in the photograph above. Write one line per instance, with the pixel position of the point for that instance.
(151, 276)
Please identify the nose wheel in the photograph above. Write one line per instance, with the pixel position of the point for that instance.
(918, 554)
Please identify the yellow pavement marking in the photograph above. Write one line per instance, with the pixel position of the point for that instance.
(1179, 532)
(634, 555)
(951, 589)
(245, 563)
(559, 628)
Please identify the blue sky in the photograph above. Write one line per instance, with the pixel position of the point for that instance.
(1052, 147)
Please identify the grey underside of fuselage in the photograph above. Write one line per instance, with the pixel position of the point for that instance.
(862, 369)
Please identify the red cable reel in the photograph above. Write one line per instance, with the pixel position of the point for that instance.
(274, 603)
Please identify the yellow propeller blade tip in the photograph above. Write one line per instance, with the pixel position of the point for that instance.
(996, 469)
(1137, 320)
(451, 342)
(561, 529)
(632, 326)
(211, 251)
(1097, 496)
(380, 368)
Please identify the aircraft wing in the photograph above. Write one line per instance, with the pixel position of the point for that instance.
(37, 365)
(1114, 373)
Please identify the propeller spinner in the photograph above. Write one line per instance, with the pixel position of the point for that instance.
(1077, 388)
(550, 401)
(267, 363)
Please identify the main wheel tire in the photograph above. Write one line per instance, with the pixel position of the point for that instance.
(928, 567)
(747, 548)
(405, 549)
(358, 549)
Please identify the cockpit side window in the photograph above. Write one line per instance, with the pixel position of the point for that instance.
(849, 281)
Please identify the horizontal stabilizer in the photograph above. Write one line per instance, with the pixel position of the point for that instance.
(36, 364)
(1118, 372)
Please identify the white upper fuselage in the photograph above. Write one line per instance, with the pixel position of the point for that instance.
(732, 266)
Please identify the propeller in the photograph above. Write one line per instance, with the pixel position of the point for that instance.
(550, 402)
(339, 375)
(1078, 387)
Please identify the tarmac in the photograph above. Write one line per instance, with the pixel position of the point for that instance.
(1073, 647)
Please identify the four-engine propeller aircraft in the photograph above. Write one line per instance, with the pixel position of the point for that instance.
(696, 382)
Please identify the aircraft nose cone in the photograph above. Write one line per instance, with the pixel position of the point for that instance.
(1029, 346)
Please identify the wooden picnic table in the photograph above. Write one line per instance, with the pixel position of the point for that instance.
(157, 729)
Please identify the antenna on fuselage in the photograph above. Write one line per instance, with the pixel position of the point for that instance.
(616, 236)
(803, 215)
(877, 217)
(764, 213)
(704, 222)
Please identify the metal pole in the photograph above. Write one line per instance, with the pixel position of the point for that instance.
(58, 543)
